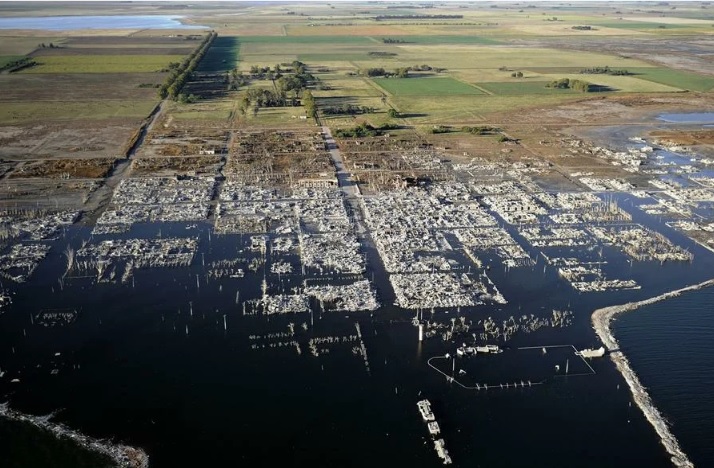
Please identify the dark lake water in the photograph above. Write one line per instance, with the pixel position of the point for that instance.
(65, 23)
(150, 364)
(669, 344)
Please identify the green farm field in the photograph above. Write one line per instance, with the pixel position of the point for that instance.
(426, 86)
(675, 78)
(102, 63)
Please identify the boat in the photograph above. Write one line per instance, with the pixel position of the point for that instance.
(433, 428)
(492, 349)
(591, 353)
(425, 410)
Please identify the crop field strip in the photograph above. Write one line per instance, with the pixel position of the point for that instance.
(102, 63)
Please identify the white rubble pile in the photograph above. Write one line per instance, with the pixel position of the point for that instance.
(349, 297)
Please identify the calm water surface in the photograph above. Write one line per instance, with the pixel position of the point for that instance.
(64, 23)
(669, 344)
(129, 370)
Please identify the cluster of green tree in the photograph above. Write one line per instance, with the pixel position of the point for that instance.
(19, 64)
(583, 28)
(566, 83)
(236, 79)
(517, 74)
(375, 72)
(261, 97)
(402, 72)
(267, 73)
(415, 17)
(149, 85)
(480, 130)
(180, 73)
(381, 54)
(425, 67)
(391, 40)
(308, 101)
(604, 71)
(364, 130)
(347, 109)
(184, 98)
(393, 113)
(287, 88)
(51, 46)
(436, 129)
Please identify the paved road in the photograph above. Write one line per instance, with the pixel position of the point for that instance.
(345, 181)
(344, 178)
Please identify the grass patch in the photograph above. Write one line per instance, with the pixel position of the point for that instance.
(102, 63)
(431, 86)
(215, 110)
(20, 112)
(676, 78)
(522, 88)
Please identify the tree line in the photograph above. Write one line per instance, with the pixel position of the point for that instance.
(19, 64)
(566, 83)
(606, 70)
(364, 130)
(478, 130)
(347, 109)
(402, 72)
(415, 17)
(180, 73)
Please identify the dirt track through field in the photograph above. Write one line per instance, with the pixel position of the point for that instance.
(99, 199)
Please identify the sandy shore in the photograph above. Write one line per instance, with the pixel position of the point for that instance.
(601, 319)
(123, 455)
